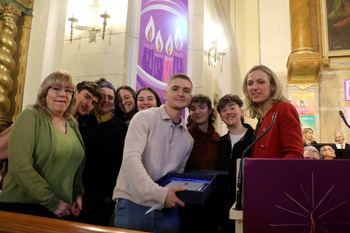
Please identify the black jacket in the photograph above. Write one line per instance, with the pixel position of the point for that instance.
(226, 161)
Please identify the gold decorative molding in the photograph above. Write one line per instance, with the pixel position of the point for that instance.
(8, 48)
(325, 61)
(22, 63)
(11, 13)
(304, 67)
(303, 86)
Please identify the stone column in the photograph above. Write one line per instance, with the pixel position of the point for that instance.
(8, 48)
(300, 23)
(303, 62)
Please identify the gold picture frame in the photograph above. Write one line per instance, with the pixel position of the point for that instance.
(335, 16)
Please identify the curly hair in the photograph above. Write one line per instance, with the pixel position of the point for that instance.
(203, 99)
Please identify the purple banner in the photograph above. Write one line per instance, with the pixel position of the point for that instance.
(163, 43)
(285, 196)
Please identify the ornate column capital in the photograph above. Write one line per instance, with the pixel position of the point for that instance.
(304, 61)
(10, 13)
(25, 6)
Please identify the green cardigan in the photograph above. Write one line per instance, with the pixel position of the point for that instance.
(40, 171)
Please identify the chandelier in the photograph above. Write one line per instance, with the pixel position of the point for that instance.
(94, 28)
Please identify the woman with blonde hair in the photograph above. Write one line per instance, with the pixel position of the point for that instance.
(46, 154)
(263, 100)
(308, 137)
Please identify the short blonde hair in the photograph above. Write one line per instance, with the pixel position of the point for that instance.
(180, 75)
(305, 131)
(276, 94)
(56, 78)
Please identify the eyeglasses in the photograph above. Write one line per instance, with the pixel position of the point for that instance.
(67, 91)
(329, 149)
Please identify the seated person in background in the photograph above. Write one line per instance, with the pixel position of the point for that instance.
(327, 152)
(340, 141)
(308, 137)
(125, 103)
(147, 98)
(103, 134)
(46, 154)
(310, 152)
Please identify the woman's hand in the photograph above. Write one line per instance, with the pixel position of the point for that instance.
(63, 210)
(77, 206)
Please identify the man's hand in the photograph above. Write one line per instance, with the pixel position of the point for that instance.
(171, 198)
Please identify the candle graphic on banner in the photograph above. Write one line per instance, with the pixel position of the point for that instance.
(168, 60)
(147, 60)
(162, 43)
(158, 57)
(178, 57)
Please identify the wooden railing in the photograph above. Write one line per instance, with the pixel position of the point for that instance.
(23, 223)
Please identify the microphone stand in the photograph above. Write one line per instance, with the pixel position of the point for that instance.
(240, 173)
(343, 117)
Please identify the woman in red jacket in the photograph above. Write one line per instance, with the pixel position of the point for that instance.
(263, 98)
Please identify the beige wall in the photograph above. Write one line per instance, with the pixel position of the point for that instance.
(261, 35)
(104, 58)
(332, 99)
(246, 27)
(262, 29)
(45, 45)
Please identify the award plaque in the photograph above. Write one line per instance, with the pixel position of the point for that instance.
(200, 184)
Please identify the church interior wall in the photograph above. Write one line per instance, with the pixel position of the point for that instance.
(261, 35)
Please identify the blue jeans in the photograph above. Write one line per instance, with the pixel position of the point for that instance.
(129, 215)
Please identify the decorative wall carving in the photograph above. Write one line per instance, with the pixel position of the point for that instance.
(8, 48)
(14, 36)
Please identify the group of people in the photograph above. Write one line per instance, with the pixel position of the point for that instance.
(325, 151)
(116, 143)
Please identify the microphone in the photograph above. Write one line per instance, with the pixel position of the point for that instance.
(240, 173)
(343, 117)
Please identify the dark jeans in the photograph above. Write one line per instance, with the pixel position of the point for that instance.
(129, 215)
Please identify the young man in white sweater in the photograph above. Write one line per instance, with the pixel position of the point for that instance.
(156, 143)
